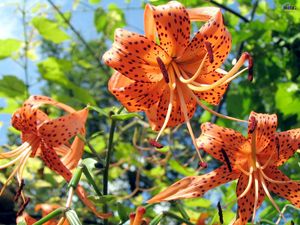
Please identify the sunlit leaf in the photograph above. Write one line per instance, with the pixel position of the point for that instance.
(50, 30)
(8, 47)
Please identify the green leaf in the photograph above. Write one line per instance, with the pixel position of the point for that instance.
(123, 212)
(199, 202)
(102, 199)
(11, 86)
(127, 116)
(8, 47)
(53, 69)
(49, 30)
(287, 100)
(100, 19)
(181, 169)
(94, 1)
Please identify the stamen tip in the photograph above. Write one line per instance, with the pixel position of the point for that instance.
(155, 143)
(252, 125)
(209, 51)
(250, 65)
(220, 212)
(203, 165)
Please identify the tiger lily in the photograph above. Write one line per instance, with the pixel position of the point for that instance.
(252, 160)
(167, 77)
(48, 138)
(45, 209)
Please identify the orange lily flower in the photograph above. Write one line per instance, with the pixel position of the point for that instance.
(48, 138)
(167, 77)
(253, 161)
(46, 209)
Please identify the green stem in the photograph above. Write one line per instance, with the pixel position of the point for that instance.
(174, 216)
(76, 177)
(54, 214)
(181, 210)
(91, 180)
(107, 161)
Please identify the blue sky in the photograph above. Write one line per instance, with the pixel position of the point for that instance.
(11, 27)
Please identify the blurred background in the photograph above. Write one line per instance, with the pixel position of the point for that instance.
(54, 48)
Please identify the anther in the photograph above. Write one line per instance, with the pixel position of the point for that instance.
(250, 65)
(292, 222)
(155, 144)
(277, 146)
(226, 158)
(203, 165)
(163, 69)
(19, 191)
(252, 125)
(220, 212)
(209, 51)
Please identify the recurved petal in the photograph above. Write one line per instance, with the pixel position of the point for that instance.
(246, 203)
(216, 140)
(135, 56)
(58, 131)
(172, 26)
(36, 101)
(196, 186)
(289, 191)
(214, 32)
(215, 95)
(135, 95)
(265, 129)
(288, 143)
(157, 113)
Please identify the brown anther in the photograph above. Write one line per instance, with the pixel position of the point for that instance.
(132, 215)
(155, 144)
(203, 165)
(292, 222)
(163, 69)
(250, 65)
(19, 191)
(277, 146)
(226, 158)
(220, 212)
(252, 125)
(22, 207)
(209, 51)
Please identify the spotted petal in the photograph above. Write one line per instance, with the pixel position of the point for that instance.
(172, 26)
(289, 191)
(289, 143)
(216, 140)
(196, 186)
(157, 113)
(246, 203)
(215, 95)
(58, 131)
(135, 95)
(134, 56)
(214, 32)
(265, 129)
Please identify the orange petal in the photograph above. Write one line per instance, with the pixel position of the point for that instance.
(58, 131)
(84, 198)
(289, 143)
(214, 32)
(157, 113)
(172, 26)
(195, 186)
(134, 95)
(246, 203)
(134, 56)
(214, 138)
(37, 100)
(215, 95)
(265, 129)
(289, 191)
(72, 157)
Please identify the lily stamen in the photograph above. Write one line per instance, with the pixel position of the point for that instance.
(248, 185)
(163, 69)
(226, 158)
(212, 111)
(255, 195)
(187, 120)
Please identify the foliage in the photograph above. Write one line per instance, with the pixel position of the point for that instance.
(70, 71)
